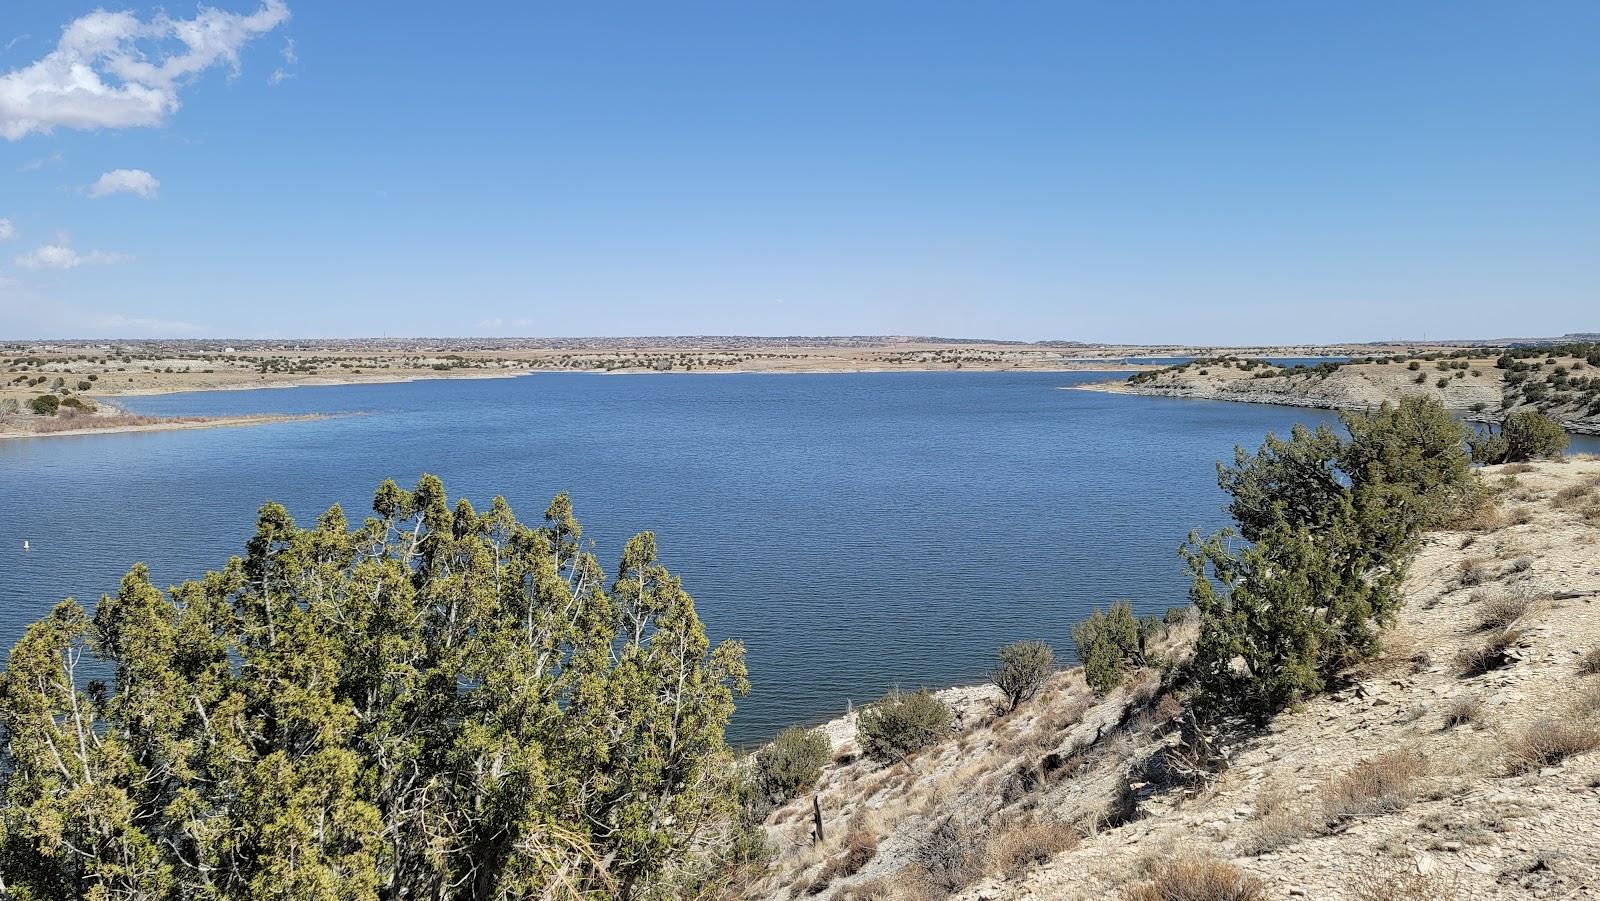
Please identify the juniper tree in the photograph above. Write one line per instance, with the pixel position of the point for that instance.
(1024, 668)
(1108, 643)
(1332, 524)
(1522, 436)
(437, 703)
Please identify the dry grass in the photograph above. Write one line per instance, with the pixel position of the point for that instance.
(71, 420)
(1548, 742)
(1403, 883)
(1589, 664)
(1501, 609)
(1012, 851)
(1485, 517)
(1462, 712)
(877, 889)
(1275, 830)
(951, 856)
(1516, 469)
(1579, 495)
(1587, 702)
(860, 845)
(1471, 572)
(1197, 879)
(1375, 786)
(1491, 655)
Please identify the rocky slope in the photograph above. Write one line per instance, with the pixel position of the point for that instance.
(1427, 774)
(1472, 384)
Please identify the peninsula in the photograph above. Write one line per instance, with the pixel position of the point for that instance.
(1561, 380)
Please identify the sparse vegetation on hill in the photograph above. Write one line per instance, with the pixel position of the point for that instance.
(1560, 381)
(1213, 751)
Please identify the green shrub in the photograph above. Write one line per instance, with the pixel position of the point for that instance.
(1107, 643)
(1522, 436)
(1332, 524)
(902, 724)
(791, 763)
(45, 405)
(79, 404)
(1024, 668)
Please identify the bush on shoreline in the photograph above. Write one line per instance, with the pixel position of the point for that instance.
(1522, 436)
(1332, 524)
(1024, 668)
(791, 763)
(900, 724)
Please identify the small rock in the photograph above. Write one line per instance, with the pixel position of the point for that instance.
(1426, 865)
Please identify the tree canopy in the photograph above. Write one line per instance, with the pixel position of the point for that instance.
(1332, 523)
(439, 703)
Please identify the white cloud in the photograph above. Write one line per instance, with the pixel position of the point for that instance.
(113, 70)
(60, 256)
(290, 58)
(7, 230)
(35, 165)
(126, 181)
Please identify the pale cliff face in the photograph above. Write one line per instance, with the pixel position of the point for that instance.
(1479, 388)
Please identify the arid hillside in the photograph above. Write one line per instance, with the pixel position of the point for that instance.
(1461, 763)
(1564, 386)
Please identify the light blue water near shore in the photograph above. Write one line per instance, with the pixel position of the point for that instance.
(855, 530)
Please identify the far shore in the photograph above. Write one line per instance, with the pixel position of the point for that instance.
(322, 381)
(1284, 400)
(169, 425)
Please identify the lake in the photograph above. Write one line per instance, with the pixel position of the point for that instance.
(856, 531)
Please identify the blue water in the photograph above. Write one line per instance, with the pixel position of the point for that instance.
(856, 531)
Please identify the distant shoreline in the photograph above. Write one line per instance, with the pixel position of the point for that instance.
(170, 426)
(319, 381)
(1276, 399)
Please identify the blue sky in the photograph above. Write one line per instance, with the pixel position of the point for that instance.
(1230, 173)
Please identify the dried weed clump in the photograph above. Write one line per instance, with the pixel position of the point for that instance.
(1013, 850)
(1378, 785)
(1471, 572)
(1198, 879)
(860, 845)
(1549, 741)
(1589, 664)
(1491, 655)
(1403, 883)
(1463, 712)
(1501, 609)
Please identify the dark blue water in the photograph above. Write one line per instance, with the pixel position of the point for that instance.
(856, 531)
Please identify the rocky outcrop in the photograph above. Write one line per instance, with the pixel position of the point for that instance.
(1478, 391)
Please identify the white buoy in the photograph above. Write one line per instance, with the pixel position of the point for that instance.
(24, 544)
